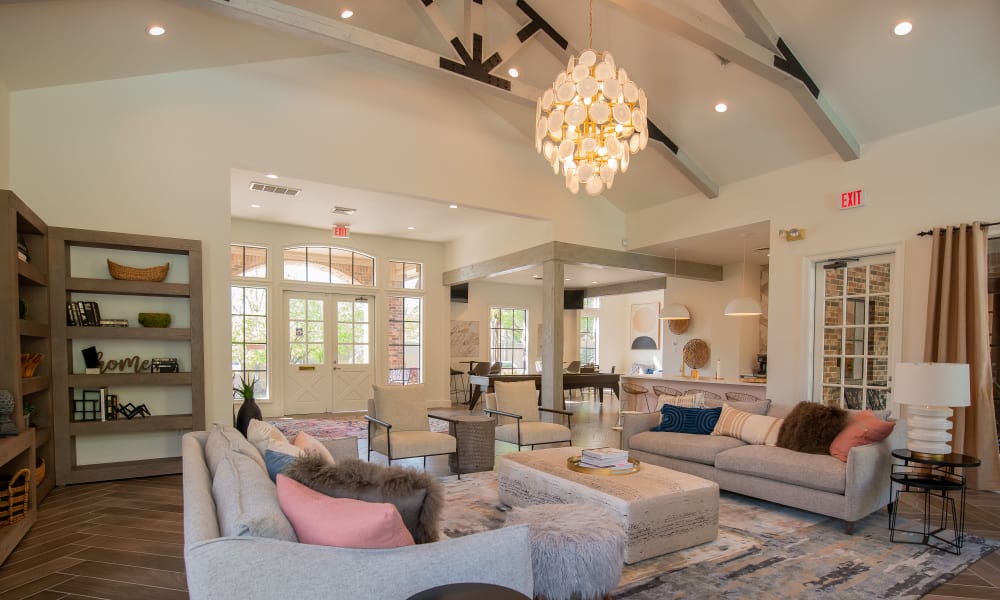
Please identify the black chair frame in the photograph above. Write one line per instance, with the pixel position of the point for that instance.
(569, 423)
(388, 445)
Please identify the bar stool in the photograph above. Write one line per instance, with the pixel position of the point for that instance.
(662, 390)
(741, 397)
(705, 393)
(634, 390)
(458, 385)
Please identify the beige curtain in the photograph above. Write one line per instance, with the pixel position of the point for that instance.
(958, 332)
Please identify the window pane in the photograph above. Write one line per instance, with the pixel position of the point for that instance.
(364, 270)
(237, 328)
(594, 303)
(318, 265)
(853, 371)
(256, 358)
(314, 310)
(411, 356)
(361, 312)
(296, 331)
(294, 261)
(236, 260)
(411, 309)
(856, 280)
(314, 354)
(361, 354)
(255, 261)
(361, 333)
(831, 395)
(345, 353)
(411, 334)
(834, 282)
(852, 398)
(344, 311)
(855, 311)
(340, 265)
(297, 354)
(345, 333)
(831, 370)
(413, 276)
(878, 341)
(314, 332)
(834, 312)
(832, 338)
(256, 301)
(854, 342)
(878, 279)
(877, 399)
(878, 307)
(878, 371)
(396, 274)
(236, 300)
(255, 329)
(296, 309)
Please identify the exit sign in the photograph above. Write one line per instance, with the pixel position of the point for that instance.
(341, 231)
(852, 199)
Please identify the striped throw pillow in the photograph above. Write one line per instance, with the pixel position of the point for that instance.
(752, 429)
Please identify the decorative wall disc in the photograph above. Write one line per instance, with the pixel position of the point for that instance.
(696, 353)
(679, 326)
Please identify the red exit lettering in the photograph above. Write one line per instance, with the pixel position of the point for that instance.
(851, 199)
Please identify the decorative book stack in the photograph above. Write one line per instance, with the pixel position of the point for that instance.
(606, 458)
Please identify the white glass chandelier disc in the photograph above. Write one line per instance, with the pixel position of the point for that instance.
(643, 139)
(576, 114)
(588, 87)
(566, 91)
(625, 161)
(630, 91)
(538, 110)
(566, 149)
(604, 71)
(548, 149)
(633, 143)
(556, 120)
(585, 172)
(595, 186)
(572, 133)
(554, 162)
(606, 57)
(612, 89)
(570, 64)
(588, 58)
(643, 104)
(638, 120)
(600, 112)
(608, 174)
(540, 128)
(622, 114)
(613, 145)
(588, 145)
(556, 135)
(560, 78)
(580, 73)
(573, 184)
(547, 97)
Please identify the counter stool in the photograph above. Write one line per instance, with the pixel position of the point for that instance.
(634, 390)
(705, 394)
(577, 550)
(662, 390)
(741, 397)
(458, 385)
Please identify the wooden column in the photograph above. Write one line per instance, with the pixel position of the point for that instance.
(553, 272)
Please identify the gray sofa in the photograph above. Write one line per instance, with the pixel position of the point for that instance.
(820, 484)
(249, 568)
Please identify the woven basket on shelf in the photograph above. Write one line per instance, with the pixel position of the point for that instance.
(138, 274)
(14, 498)
(40, 472)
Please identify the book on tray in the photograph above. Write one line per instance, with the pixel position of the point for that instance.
(604, 457)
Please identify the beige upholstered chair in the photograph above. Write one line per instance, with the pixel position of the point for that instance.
(398, 426)
(515, 406)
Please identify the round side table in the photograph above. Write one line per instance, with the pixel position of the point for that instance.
(469, 591)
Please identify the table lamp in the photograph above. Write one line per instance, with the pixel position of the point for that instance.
(929, 391)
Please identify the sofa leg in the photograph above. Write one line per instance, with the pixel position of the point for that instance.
(849, 527)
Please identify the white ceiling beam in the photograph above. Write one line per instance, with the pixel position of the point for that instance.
(674, 16)
(753, 23)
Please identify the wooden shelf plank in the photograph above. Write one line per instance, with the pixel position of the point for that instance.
(138, 424)
(29, 273)
(30, 385)
(10, 535)
(110, 379)
(33, 329)
(14, 445)
(127, 288)
(42, 435)
(129, 333)
(125, 470)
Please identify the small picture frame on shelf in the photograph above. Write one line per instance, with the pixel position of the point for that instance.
(88, 407)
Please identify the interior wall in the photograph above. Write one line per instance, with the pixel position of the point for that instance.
(482, 296)
(435, 350)
(5, 182)
(938, 175)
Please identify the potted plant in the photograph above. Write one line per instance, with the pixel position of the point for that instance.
(28, 409)
(249, 409)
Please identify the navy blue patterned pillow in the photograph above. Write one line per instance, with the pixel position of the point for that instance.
(679, 419)
(276, 462)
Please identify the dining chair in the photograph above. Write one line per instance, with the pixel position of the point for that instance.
(742, 397)
(495, 368)
(705, 393)
(515, 407)
(398, 426)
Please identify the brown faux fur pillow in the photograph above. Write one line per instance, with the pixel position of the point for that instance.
(811, 427)
(418, 496)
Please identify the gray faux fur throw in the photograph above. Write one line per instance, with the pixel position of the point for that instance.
(418, 496)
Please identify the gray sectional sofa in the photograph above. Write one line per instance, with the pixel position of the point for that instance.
(247, 567)
(820, 484)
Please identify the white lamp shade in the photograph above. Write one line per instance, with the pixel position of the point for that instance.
(674, 312)
(931, 384)
(743, 307)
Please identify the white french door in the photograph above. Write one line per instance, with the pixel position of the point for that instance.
(857, 339)
(328, 349)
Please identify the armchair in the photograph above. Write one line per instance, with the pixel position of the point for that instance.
(398, 426)
(515, 406)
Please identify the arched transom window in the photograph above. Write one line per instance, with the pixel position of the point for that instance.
(325, 264)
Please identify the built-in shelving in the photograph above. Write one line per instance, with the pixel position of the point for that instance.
(28, 279)
(68, 285)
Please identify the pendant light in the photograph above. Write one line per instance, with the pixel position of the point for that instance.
(674, 311)
(744, 306)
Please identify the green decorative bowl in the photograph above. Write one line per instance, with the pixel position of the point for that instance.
(154, 319)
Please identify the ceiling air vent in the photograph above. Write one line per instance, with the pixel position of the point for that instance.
(274, 189)
(343, 210)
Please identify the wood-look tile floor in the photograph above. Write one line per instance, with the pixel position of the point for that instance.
(124, 539)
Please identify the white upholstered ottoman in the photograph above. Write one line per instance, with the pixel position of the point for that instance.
(661, 510)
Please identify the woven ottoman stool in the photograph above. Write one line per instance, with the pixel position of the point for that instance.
(577, 550)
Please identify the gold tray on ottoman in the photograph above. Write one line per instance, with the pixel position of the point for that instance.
(573, 463)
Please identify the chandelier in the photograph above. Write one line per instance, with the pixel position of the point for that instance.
(591, 120)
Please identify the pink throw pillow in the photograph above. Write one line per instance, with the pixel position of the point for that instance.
(863, 428)
(310, 444)
(343, 522)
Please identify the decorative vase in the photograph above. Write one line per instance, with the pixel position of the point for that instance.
(249, 410)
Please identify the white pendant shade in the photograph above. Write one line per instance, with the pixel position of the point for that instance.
(743, 307)
(674, 312)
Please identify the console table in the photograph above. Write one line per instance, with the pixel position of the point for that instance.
(932, 476)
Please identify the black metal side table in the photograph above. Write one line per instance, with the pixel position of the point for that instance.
(934, 477)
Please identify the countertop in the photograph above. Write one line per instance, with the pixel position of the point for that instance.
(705, 380)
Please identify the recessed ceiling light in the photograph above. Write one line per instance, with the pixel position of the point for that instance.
(156, 30)
(255, 206)
(411, 228)
(902, 28)
(593, 282)
(452, 206)
(721, 107)
(271, 176)
(346, 13)
(513, 72)
(567, 279)
(536, 276)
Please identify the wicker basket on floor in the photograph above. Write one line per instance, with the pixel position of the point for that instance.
(118, 271)
(14, 498)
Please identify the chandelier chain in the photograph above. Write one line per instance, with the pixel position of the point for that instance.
(590, 37)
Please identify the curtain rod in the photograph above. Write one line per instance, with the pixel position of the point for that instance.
(984, 225)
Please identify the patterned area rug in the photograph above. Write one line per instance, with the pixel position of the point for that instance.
(337, 427)
(763, 551)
